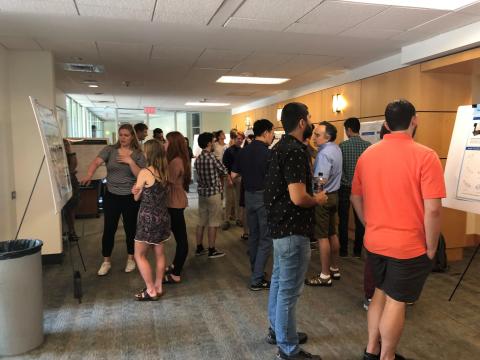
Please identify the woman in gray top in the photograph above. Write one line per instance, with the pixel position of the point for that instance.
(123, 161)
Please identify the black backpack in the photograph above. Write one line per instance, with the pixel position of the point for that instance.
(440, 260)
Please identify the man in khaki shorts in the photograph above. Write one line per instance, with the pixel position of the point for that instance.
(209, 173)
(328, 165)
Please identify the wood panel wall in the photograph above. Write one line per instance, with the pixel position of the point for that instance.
(436, 97)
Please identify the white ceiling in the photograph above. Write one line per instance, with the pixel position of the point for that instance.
(172, 51)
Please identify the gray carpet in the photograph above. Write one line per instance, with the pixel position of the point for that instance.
(213, 315)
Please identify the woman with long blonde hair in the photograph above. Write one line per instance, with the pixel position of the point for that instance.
(179, 176)
(123, 162)
(153, 224)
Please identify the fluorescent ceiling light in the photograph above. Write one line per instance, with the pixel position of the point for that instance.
(424, 4)
(251, 80)
(206, 104)
(93, 86)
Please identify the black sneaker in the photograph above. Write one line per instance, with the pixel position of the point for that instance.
(299, 356)
(214, 253)
(262, 285)
(272, 338)
(200, 250)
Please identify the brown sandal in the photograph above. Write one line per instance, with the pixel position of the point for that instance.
(168, 279)
(316, 280)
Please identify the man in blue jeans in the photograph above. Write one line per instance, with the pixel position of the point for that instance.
(290, 209)
(251, 164)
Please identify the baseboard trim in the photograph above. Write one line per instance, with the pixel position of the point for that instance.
(52, 259)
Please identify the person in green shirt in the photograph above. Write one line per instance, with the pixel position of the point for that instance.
(351, 151)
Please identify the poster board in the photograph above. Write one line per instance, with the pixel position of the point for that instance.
(277, 136)
(370, 131)
(56, 159)
(462, 170)
(87, 150)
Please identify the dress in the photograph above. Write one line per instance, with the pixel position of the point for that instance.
(153, 222)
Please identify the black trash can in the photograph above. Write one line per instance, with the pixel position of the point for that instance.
(21, 296)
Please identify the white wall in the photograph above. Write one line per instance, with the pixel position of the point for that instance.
(32, 73)
(213, 121)
(7, 205)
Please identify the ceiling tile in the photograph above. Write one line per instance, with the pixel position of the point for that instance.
(57, 7)
(330, 17)
(401, 19)
(120, 52)
(125, 4)
(260, 62)
(67, 50)
(221, 58)
(279, 11)
(115, 12)
(252, 24)
(472, 9)
(14, 43)
(446, 23)
(369, 33)
(186, 11)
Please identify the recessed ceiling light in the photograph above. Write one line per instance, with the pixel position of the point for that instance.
(251, 80)
(424, 4)
(92, 86)
(204, 103)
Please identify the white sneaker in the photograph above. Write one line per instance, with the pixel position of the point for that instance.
(104, 269)
(130, 265)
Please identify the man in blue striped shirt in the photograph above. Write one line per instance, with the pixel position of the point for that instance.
(328, 164)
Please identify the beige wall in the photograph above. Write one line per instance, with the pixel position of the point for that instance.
(213, 121)
(7, 205)
(31, 73)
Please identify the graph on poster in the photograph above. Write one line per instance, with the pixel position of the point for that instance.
(56, 159)
(462, 170)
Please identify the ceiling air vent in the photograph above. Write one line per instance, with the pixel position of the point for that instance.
(88, 68)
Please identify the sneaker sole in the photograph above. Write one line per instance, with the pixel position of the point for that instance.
(259, 289)
(215, 256)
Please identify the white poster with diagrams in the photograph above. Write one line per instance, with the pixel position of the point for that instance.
(56, 159)
(370, 130)
(462, 171)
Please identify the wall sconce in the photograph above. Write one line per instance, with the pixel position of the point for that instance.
(279, 114)
(247, 122)
(338, 103)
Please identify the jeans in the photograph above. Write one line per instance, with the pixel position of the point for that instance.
(343, 214)
(259, 242)
(291, 256)
(179, 230)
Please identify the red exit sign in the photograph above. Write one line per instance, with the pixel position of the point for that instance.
(150, 110)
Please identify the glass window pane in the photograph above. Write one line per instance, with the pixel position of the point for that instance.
(182, 123)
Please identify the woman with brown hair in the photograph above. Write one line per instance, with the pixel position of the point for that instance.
(123, 161)
(179, 175)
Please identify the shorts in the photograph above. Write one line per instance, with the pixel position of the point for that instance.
(210, 210)
(401, 279)
(326, 218)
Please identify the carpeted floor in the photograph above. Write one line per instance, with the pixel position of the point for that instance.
(213, 314)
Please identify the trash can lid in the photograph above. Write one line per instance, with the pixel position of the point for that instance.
(13, 249)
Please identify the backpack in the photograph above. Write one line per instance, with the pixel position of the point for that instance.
(440, 259)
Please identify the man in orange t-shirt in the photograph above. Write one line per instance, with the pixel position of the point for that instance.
(396, 191)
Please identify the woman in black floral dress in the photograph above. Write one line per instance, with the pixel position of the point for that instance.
(153, 223)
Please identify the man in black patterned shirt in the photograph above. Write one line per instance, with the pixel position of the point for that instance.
(209, 176)
(290, 203)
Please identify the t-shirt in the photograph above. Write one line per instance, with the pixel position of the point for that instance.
(120, 178)
(252, 165)
(289, 163)
(394, 177)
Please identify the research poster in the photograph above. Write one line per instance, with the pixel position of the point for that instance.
(370, 131)
(55, 157)
(462, 170)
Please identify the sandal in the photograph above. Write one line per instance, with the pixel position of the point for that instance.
(145, 296)
(169, 269)
(168, 279)
(318, 281)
